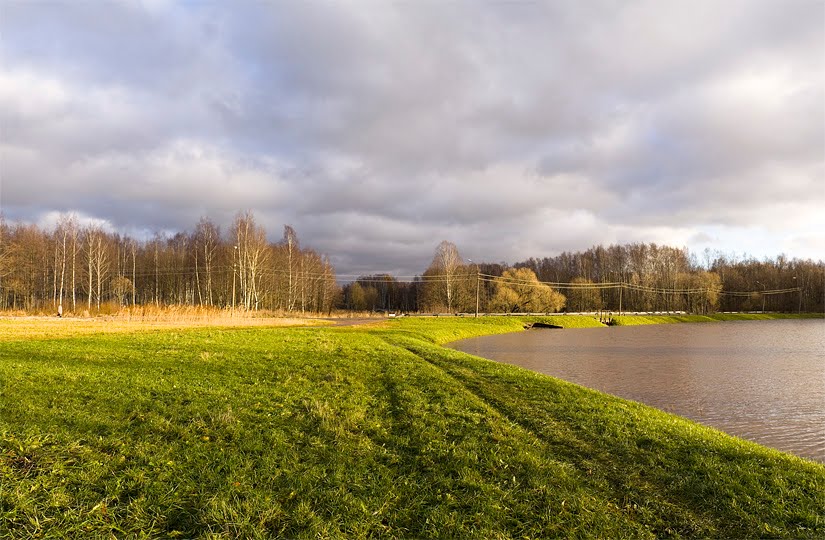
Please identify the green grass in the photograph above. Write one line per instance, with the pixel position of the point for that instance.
(632, 320)
(316, 432)
(442, 330)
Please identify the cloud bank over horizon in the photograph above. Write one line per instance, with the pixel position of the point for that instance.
(378, 129)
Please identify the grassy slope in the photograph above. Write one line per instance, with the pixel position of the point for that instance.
(348, 432)
(632, 320)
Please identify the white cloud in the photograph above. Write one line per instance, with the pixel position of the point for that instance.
(377, 130)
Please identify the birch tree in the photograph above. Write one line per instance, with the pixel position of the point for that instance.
(66, 233)
(444, 272)
(97, 263)
(252, 256)
(74, 237)
(206, 240)
(293, 250)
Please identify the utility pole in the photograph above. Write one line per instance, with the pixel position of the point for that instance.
(234, 266)
(763, 295)
(621, 288)
(478, 284)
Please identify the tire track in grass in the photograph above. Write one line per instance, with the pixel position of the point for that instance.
(639, 499)
(490, 471)
(680, 477)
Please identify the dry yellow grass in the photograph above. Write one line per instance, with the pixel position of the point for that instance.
(29, 328)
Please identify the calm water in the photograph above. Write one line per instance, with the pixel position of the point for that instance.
(759, 380)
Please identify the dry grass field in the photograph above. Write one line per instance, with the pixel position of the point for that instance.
(31, 327)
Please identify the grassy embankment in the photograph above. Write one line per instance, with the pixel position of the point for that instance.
(632, 320)
(375, 431)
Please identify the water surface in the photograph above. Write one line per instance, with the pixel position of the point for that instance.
(759, 380)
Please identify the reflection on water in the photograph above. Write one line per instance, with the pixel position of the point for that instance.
(760, 380)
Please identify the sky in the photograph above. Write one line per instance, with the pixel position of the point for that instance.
(376, 129)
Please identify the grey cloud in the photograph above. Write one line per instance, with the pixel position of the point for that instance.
(378, 129)
(111, 44)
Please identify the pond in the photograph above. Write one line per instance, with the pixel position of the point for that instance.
(759, 380)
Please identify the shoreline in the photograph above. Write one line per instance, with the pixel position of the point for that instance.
(549, 361)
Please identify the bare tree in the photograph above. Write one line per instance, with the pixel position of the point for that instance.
(74, 234)
(445, 266)
(97, 263)
(133, 250)
(26, 255)
(252, 256)
(329, 287)
(584, 296)
(121, 288)
(5, 258)
(66, 233)
(293, 248)
(206, 240)
(38, 268)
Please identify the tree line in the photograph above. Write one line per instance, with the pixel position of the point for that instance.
(86, 268)
(633, 277)
(662, 278)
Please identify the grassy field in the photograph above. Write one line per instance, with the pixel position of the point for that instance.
(353, 432)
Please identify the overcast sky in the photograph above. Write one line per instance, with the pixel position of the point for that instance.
(378, 129)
